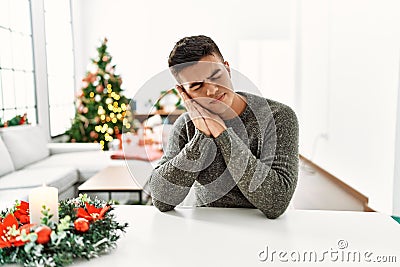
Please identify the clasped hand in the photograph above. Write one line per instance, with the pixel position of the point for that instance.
(205, 121)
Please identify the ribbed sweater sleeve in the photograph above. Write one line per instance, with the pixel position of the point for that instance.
(177, 170)
(269, 181)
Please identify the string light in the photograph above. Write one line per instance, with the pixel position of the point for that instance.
(101, 111)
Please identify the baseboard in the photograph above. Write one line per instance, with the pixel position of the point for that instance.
(353, 192)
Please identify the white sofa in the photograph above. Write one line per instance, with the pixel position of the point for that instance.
(27, 161)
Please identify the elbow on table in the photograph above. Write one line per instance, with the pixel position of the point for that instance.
(274, 213)
(162, 206)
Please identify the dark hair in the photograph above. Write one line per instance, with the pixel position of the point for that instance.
(192, 49)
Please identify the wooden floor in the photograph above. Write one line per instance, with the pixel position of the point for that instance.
(317, 191)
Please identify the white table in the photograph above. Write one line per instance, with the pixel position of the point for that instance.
(112, 179)
(235, 237)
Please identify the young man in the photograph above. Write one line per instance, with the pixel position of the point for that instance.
(237, 149)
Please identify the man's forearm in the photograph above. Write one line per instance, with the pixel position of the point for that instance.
(269, 183)
(171, 180)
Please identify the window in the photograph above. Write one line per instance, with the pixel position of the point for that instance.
(17, 83)
(60, 64)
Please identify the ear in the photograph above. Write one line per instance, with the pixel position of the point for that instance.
(226, 64)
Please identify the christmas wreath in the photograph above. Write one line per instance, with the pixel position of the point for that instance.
(86, 229)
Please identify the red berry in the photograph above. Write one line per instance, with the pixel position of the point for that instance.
(43, 233)
(81, 225)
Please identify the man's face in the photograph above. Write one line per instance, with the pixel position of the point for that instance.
(208, 83)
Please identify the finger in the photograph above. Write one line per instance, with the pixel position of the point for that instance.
(179, 88)
(200, 109)
(182, 92)
(193, 111)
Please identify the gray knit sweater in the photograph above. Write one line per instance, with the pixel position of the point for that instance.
(252, 164)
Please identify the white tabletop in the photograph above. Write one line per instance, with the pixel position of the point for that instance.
(236, 237)
(112, 178)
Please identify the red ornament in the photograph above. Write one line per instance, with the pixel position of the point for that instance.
(23, 119)
(90, 78)
(93, 134)
(81, 225)
(43, 233)
(99, 89)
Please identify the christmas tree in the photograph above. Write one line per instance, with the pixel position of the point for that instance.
(101, 109)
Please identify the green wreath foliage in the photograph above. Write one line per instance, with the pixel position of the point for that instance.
(66, 243)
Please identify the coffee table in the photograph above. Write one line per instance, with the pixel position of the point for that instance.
(112, 179)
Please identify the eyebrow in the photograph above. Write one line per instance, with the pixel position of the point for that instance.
(214, 73)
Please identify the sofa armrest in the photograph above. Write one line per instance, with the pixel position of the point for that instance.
(58, 148)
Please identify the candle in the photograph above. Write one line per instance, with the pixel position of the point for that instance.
(40, 196)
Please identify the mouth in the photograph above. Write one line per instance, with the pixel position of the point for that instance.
(220, 98)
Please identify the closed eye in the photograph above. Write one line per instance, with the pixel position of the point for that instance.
(196, 86)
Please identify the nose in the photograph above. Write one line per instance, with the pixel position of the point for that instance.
(212, 89)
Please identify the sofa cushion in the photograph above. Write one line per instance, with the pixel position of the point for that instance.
(62, 178)
(87, 163)
(26, 144)
(57, 148)
(91, 162)
(6, 164)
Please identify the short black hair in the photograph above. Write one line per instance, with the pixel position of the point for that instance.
(192, 49)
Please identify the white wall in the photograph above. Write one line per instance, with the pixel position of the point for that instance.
(350, 63)
(142, 33)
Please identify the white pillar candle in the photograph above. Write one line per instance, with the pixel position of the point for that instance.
(40, 196)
